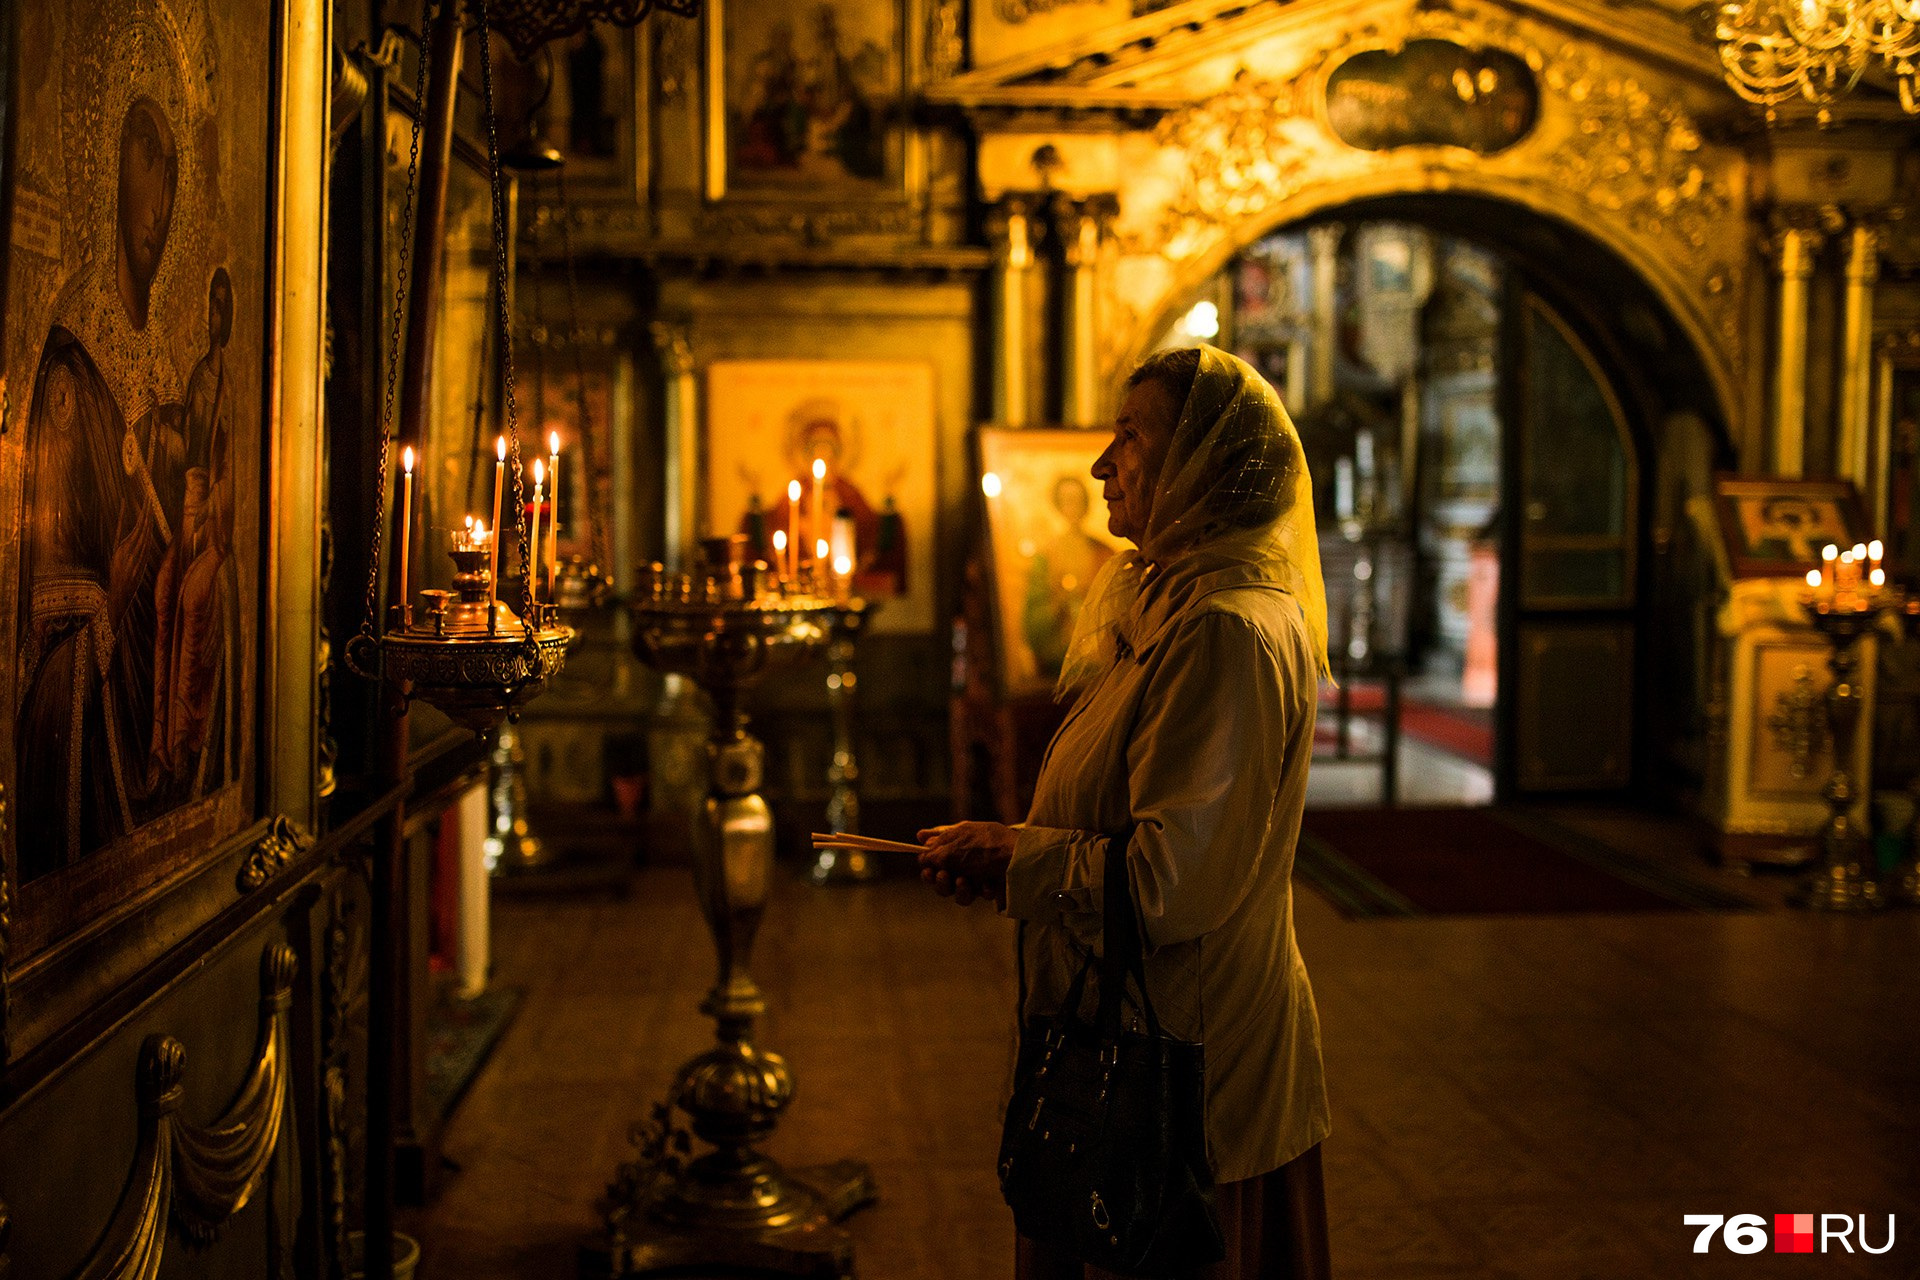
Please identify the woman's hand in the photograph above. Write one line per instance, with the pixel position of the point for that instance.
(968, 860)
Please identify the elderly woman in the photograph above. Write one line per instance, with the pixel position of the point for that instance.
(1194, 668)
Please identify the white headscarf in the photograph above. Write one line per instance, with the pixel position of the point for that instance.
(1233, 505)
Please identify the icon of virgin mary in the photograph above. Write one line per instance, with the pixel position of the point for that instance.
(128, 504)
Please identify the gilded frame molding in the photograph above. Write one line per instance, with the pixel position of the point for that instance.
(895, 211)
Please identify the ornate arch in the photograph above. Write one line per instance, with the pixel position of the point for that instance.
(1615, 152)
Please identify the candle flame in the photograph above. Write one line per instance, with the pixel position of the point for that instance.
(1878, 577)
(820, 549)
(1846, 557)
(1813, 578)
(539, 473)
(819, 468)
(842, 566)
(553, 442)
(1859, 551)
(793, 491)
(406, 460)
(1875, 550)
(500, 448)
(990, 485)
(779, 539)
(1829, 551)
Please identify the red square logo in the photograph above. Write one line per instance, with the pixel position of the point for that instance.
(1793, 1233)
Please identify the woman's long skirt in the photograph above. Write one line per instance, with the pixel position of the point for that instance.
(1275, 1224)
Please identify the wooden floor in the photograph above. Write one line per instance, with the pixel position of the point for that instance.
(1539, 1097)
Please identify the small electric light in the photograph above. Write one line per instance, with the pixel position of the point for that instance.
(1202, 320)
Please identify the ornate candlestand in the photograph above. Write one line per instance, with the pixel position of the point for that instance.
(843, 776)
(732, 1206)
(1843, 882)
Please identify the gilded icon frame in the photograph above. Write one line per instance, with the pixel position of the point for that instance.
(65, 946)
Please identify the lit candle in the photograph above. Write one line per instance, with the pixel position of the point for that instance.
(406, 530)
(1875, 552)
(1813, 579)
(533, 544)
(793, 525)
(819, 526)
(1877, 578)
(820, 550)
(553, 524)
(780, 551)
(493, 548)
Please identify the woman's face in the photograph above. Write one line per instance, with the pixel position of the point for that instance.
(1130, 466)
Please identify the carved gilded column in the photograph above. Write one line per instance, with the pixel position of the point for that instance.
(1855, 446)
(1324, 242)
(1082, 225)
(1011, 229)
(1794, 247)
(682, 440)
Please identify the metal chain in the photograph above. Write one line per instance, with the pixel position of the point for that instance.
(498, 184)
(394, 355)
(595, 552)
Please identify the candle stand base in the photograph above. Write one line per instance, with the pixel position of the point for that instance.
(1841, 885)
(757, 1217)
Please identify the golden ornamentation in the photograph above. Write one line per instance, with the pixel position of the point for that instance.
(1015, 12)
(1773, 51)
(946, 43)
(1636, 154)
(1241, 164)
(199, 1176)
(1799, 722)
(272, 852)
(1626, 149)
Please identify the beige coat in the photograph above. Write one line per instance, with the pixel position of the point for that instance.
(1200, 734)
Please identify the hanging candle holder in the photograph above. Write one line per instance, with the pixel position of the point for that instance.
(465, 651)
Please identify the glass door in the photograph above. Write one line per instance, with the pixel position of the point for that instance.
(1573, 482)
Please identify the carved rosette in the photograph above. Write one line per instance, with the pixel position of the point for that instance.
(283, 842)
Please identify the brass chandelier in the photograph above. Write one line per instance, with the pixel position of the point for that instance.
(1775, 51)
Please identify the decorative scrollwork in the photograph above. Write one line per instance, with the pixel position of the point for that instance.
(528, 24)
(270, 855)
(200, 1177)
(1799, 722)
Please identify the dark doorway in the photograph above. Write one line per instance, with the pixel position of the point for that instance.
(1504, 424)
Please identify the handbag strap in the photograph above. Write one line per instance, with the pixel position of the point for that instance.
(1121, 946)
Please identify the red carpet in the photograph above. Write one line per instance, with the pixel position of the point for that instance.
(1407, 862)
(1466, 732)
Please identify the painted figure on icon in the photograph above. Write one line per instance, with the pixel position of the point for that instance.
(1058, 575)
(127, 612)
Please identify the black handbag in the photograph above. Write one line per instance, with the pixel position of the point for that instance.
(1104, 1153)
